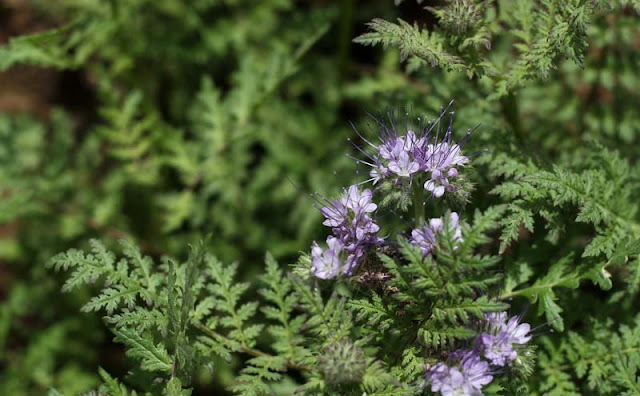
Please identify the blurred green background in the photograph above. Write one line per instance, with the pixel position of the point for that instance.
(162, 121)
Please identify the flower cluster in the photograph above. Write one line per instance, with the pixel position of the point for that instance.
(424, 237)
(401, 160)
(353, 233)
(467, 371)
(418, 158)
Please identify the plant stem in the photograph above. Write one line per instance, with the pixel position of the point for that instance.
(417, 195)
(346, 33)
(511, 112)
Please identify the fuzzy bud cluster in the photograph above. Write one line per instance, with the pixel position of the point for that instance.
(342, 363)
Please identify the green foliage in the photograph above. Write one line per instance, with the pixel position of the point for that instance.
(48, 49)
(469, 32)
(600, 191)
(204, 316)
(607, 361)
(597, 191)
(159, 122)
(426, 306)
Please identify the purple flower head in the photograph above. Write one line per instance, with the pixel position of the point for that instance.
(416, 155)
(352, 225)
(441, 160)
(466, 378)
(425, 237)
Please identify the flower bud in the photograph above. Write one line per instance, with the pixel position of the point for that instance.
(342, 363)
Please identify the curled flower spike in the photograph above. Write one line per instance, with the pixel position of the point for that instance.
(469, 370)
(353, 229)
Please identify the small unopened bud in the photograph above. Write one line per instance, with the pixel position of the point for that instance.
(342, 363)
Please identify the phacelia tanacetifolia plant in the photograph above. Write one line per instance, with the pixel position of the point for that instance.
(415, 167)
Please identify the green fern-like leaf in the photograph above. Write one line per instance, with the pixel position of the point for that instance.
(153, 357)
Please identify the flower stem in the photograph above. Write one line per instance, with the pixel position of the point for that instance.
(511, 112)
(417, 196)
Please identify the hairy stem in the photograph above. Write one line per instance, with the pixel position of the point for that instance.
(417, 197)
(346, 34)
(511, 112)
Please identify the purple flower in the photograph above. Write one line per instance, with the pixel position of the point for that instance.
(436, 225)
(351, 224)
(440, 160)
(403, 166)
(449, 381)
(443, 156)
(425, 237)
(436, 186)
(378, 173)
(476, 371)
(336, 214)
(439, 375)
(359, 203)
(326, 263)
(518, 333)
(497, 343)
(352, 259)
(391, 148)
(466, 378)
(496, 322)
